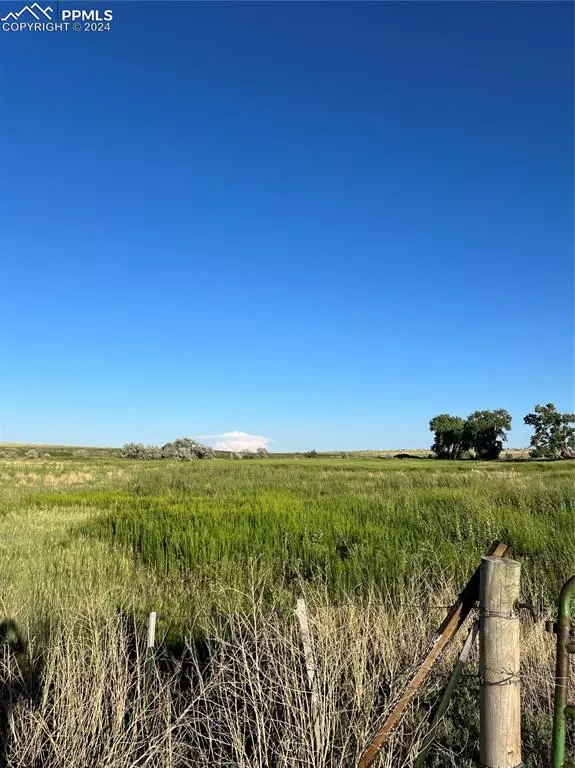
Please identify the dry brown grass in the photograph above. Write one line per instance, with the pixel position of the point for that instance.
(239, 697)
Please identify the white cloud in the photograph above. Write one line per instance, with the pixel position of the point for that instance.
(238, 441)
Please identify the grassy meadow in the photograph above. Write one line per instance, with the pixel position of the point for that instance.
(221, 549)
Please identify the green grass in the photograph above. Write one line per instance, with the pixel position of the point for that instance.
(351, 526)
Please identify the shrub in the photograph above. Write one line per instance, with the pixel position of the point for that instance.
(32, 453)
(186, 449)
(80, 453)
(261, 453)
(141, 451)
(311, 454)
(46, 455)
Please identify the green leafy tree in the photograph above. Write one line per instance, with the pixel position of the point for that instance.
(554, 436)
(485, 432)
(449, 440)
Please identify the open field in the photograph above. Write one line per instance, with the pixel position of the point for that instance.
(18, 450)
(221, 549)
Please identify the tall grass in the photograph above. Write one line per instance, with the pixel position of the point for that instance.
(346, 530)
(221, 549)
(240, 697)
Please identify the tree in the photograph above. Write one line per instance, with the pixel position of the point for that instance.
(485, 432)
(449, 440)
(554, 436)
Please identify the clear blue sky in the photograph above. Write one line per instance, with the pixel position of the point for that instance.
(320, 223)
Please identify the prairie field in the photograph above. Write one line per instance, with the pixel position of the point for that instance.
(221, 550)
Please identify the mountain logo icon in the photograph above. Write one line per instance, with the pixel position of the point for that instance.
(34, 10)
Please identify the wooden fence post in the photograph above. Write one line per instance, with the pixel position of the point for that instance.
(311, 669)
(152, 629)
(499, 696)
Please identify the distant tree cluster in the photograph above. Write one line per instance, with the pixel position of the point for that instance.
(184, 449)
(483, 433)
(261, 453)
(140, 451)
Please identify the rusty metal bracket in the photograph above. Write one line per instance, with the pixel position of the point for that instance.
(451, 624)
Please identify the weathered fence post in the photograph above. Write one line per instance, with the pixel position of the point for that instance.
(499, 697)
(311, 669)
(151, 629)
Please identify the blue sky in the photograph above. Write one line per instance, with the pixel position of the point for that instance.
(319, 223)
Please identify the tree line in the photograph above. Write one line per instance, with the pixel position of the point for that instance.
(483, 433)
(183, 449)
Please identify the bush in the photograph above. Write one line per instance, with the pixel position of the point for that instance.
(261, 453)
(46, 455)
(311, 454)
(141, 451)
(80, 453)
(186, 449)
(32, 453)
